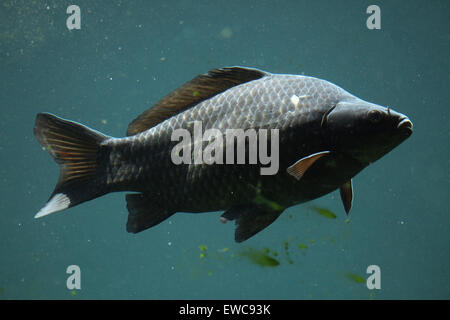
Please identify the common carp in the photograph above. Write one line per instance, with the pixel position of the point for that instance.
(321, 136)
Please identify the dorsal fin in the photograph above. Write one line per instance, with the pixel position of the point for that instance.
(191, 93)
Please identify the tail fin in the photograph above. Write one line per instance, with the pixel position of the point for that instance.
(78, 151)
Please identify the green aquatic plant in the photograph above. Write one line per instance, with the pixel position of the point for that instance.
(323, 212)
(355, 278)
(203, 250)
(259, 257)
(263, 256)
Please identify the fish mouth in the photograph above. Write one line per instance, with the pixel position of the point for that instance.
(406, 126)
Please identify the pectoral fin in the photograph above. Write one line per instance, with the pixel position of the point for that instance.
(346, 191)
(250, 219)
(299, 168)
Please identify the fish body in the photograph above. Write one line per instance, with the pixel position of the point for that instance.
(322, 134)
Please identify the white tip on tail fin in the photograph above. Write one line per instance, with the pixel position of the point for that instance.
(57, 203)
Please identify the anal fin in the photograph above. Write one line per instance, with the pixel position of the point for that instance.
(250, 219)
(144, 213)
(346, 191)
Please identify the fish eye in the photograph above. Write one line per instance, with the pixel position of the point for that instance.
(374, 116)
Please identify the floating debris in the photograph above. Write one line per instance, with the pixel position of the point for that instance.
(226, 33)
(272, 252)
(259, 257)
(323, 212)
(203, 250)
(355, 278)
(286, 252)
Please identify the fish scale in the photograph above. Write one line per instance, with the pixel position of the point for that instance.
(202, 178)
(325, 137)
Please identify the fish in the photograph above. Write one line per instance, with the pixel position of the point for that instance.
(322, 134)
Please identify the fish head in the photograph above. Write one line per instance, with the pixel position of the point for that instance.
(365, 131)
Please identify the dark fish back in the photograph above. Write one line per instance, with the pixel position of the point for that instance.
(266, 103)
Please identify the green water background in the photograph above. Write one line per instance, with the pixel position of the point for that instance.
(127, 55)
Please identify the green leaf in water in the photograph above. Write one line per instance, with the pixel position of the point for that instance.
(355, 278)
(323, 212)
(259, 257)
